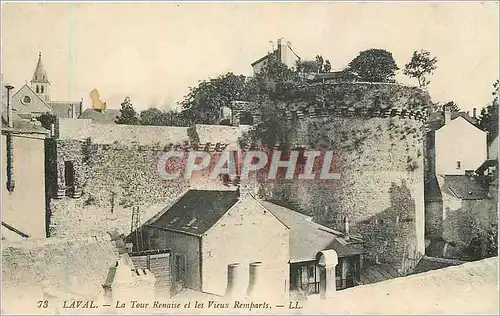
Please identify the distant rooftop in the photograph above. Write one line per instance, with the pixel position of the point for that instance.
(464, 187)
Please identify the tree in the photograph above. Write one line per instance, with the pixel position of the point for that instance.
(128, 115)
(420, 65)
(319, 65)
(374, 65)
(152, 116)
(47, 119)
(274, 82)
(203, 103)
(488, 119)
(452, 106)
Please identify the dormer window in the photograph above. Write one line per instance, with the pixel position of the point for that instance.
(26, 99)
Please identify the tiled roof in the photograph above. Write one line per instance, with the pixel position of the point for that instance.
(307, 238)
(107, 116)
(196, 211)
(464, 187)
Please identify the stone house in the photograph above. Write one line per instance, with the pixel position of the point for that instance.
(23, 168)
(207, 231)
(456, 182)
(283, 53)
(459, 145)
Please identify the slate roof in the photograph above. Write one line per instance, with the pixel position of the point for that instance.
(60, 108)
(40, 74)
(196, 211)
(373, 273)
(107, 116)
(464, 187)
(436, 119)
(430, 263)
(307, 238)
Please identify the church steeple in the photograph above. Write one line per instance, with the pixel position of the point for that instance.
(40, 74)
(40, 82)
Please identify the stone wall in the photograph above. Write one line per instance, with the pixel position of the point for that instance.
(378, 151)
(116, 166)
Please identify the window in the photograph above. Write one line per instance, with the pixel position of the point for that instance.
(311, 271)
(37, 89)
(41, 89)
(459, 164)
(26, 100)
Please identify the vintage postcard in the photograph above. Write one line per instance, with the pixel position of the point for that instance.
(249, 157)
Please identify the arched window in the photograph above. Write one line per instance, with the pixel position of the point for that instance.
(37, 89)
(42, 88)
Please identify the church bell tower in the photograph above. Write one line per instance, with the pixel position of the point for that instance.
(40, 82)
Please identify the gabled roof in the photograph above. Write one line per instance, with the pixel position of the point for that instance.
(196, 211)
(37, 105)
(307, 238)
(464, 187)
(436, 119)
(274, 52)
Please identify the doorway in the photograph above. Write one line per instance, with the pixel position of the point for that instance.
(69, 174)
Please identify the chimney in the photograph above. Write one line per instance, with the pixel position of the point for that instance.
(254, 279)
(346, 226)
(10, 118)
(474, 112)
(81, 107)
(447, 114)
(233, 288)
(282, 51)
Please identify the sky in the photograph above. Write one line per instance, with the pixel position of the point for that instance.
(153, 52)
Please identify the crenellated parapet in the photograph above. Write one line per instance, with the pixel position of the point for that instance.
(350, 112)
